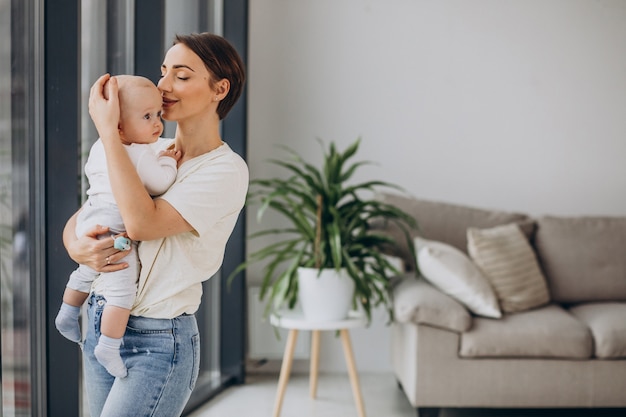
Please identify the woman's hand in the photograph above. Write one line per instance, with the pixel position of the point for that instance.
(98, 254)
(104, 106)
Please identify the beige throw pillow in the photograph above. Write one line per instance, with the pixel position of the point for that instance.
(454, 274)
(509, 263)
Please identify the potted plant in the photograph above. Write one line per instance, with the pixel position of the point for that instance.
(330, 228)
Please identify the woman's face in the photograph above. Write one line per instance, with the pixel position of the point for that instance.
(185, 85)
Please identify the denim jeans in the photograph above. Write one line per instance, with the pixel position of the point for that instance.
(162, 357)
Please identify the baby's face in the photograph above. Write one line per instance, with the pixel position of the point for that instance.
(140, 118)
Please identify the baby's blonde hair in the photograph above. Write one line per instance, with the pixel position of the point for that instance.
(127, 85)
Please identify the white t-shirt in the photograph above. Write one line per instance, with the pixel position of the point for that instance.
(209, 192)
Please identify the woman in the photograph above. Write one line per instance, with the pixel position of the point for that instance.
(183, 233)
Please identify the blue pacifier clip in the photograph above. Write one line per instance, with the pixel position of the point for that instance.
(121, 243)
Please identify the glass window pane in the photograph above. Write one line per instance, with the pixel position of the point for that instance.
(14, 254)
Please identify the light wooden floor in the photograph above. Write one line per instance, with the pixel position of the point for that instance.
(381, 396)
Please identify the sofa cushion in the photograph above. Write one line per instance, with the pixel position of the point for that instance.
(454, 273)
(445, 222)
(583, 257)
(547, 332)
(417, 301)
(509, 263)
(607, 322)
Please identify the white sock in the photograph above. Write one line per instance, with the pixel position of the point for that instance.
(107, 352)
(66, 322)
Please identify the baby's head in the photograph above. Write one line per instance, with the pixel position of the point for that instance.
(140, 109)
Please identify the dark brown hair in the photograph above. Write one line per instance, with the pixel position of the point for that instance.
(221, 60)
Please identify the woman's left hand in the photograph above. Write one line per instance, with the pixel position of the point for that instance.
(104, 106)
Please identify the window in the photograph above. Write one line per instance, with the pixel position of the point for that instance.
(20, 124)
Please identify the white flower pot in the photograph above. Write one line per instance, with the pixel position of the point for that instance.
(325, 295)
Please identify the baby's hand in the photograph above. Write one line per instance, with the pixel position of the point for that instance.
(171, 153)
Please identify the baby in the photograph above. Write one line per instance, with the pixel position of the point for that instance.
(140, 126)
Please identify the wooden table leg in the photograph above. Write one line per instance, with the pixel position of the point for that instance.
(315, 360)
(285, 370)
(354, 378)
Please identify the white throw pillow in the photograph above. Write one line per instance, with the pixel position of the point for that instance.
(450, 270)
(509, 263)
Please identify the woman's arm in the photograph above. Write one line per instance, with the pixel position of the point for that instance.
(98, 254)
(144, 218)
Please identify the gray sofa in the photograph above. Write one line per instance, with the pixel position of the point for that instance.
(566, 350)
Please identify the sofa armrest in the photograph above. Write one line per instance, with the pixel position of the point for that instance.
(416, 301)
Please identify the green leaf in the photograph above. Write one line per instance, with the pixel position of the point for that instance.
(347, 238)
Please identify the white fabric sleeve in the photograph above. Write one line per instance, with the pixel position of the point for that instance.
(157, 173)
(214, 192)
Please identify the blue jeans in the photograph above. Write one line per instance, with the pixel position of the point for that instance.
(162, 357)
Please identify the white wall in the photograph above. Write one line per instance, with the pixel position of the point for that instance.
(513, 105)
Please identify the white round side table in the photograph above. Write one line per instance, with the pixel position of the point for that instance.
(295, 321)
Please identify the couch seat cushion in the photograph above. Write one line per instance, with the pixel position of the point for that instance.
(607, 322)
(547, 332)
